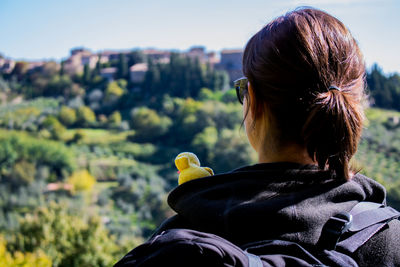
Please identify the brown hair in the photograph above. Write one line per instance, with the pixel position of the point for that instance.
(291, 64)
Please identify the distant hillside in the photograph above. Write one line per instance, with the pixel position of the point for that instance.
(86, 162)
(378, 155)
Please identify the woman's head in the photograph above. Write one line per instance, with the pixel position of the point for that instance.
(307, 79)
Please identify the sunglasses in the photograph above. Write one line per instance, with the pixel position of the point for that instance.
(241, 88)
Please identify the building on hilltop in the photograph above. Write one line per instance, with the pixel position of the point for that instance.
(231, 62)
(80, 57)
(200, 53)
(212, 58)
(35, 65)
(137, 72)
(74, 64)
(157, 55)
(7, 65)
(80, 51)
(108, 73)
(110, 55)
(90, 60)
(197, 52)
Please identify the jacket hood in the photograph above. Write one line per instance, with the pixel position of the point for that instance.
(270, 201)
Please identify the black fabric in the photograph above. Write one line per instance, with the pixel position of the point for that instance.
(185, 247)
(182, 247)
(284, 201)
(293, 200)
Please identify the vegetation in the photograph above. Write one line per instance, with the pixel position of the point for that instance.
(86, 164)
(384, 89)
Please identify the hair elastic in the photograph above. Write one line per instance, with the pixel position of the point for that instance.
(332, 87)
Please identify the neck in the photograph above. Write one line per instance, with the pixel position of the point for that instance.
(291, 152)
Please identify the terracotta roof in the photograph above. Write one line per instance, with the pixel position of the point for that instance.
(58, 186)
(231, 51)
(107, 53)
(154, 51)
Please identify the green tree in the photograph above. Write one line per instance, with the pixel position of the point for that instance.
(4, 87)
(204, 144)
(19, 259)
(55, 128)
(23, 172)
(20, 69)
(69, 240)
(115, 119)
(113, 92)
(18, 148)
(229, 96)
(39, 79)
(218, 80)
(67, 115)
(376, 84)
(98, 66)
(189, 119)
(62, 70)
(123, 68)
(196, 77)
(79, 135)
(122, 83)
(384, 89)
(60, 86)
(81, 181)
(136, 56)
(208, 94)
(87, 75)
(231, 151)
(85, 116)
(148, 124)
(151, 80)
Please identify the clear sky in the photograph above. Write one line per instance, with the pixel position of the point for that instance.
(36, 29)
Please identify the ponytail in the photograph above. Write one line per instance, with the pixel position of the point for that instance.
(332, 131)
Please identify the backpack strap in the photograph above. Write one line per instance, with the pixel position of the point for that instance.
(368, 213)
(254, 260)
(368, 219)
(333, 229)
(361, 223)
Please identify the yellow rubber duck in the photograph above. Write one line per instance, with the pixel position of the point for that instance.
(189, 167)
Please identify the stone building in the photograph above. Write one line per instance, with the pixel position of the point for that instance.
(137, 72)
(108, 73)
(231, 62)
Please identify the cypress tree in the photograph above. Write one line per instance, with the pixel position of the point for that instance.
(98, 66)
(122, 67)
(86, 74)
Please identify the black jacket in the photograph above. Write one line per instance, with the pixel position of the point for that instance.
(280, 201)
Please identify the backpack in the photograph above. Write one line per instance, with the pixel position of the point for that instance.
(341, 236)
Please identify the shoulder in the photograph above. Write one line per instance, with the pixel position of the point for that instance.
(175, 221)
(382, 248)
